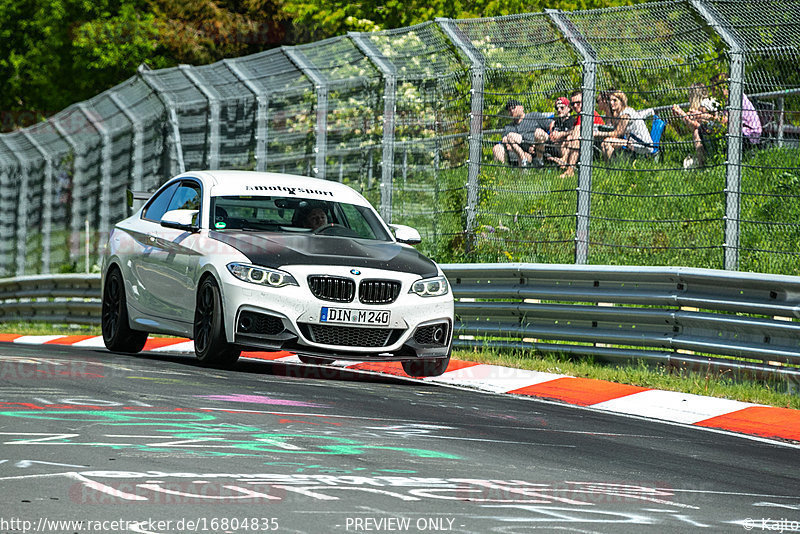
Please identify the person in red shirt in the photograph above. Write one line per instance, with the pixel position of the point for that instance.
(572, 144)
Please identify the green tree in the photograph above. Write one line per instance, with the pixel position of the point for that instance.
(57, 52)
(314, 20)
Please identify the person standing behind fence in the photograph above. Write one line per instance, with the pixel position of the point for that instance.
(751, 124)
(523, 138)
(629, 128)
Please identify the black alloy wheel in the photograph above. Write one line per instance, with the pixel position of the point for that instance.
(210, 344)
(118, 336)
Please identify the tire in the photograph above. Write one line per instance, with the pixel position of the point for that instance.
(210, 344)
(313, 360)
(117, 333)
(421, 368)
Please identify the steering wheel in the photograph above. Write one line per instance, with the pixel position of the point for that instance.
(327, 227)
(335, 229)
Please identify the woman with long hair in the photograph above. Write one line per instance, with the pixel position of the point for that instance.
(629, 128)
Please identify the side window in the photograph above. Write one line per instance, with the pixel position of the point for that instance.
(355, 220)
(158, 205)
(187, 197)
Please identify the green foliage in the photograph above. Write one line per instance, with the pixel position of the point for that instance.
(314, 20)
(644, 212)
(54, 53)
(57, 52)
(771, 190)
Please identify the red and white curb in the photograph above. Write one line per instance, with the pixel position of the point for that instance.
(735, 416)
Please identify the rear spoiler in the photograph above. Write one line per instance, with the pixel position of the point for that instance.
(137, 195)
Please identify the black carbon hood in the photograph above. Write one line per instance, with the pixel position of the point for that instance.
(277, 250)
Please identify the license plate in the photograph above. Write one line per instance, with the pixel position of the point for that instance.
(350, 316)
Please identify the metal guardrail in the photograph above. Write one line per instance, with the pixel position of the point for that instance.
(58, 299)
(681, 317)
(695, 318)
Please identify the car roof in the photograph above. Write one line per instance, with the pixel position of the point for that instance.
(251, 183)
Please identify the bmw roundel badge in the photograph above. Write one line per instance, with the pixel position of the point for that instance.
(355, 272)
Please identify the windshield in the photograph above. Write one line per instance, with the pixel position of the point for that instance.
(295, 215)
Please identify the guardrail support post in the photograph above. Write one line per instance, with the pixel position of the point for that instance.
(387, 68)
(477, 70)
(321, 86)
(733, 164)
(213, 98)
(262, 113)
(589, 56)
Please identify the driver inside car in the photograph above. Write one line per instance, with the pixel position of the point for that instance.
(315, 218)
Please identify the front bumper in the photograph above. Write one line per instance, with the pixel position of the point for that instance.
(289, 318)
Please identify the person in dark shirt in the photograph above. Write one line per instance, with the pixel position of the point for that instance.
(559, 132)
(524, 137)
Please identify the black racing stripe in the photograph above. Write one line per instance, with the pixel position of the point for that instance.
(277, 250)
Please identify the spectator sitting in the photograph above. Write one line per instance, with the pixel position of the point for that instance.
(572, 144)
(629, 128)
(701, 121)
(523, 138)
(560, 130)
(751, 124)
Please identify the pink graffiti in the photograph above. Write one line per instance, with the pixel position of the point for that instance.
(260, 399)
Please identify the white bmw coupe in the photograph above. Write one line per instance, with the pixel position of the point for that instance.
(245, 260)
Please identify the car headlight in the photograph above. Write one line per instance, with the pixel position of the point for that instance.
(431, 287)
(261, 275)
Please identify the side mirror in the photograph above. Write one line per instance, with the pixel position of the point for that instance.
(181, 220)
(406, 234)
(132, 196)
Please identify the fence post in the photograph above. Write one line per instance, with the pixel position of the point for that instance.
(213, 98)
(138, 142)
(477, 70)
(389, 72)
(589, 57)
(321, 85)
(105, 173)
(47, 201)
(22, 207)
(733, 164)
(7, 195)
(262, 110)
(75, 223)
(169, 105)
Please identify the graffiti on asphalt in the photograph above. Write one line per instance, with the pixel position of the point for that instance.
(190, 431)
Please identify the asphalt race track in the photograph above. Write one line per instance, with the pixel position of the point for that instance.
(101, 442)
